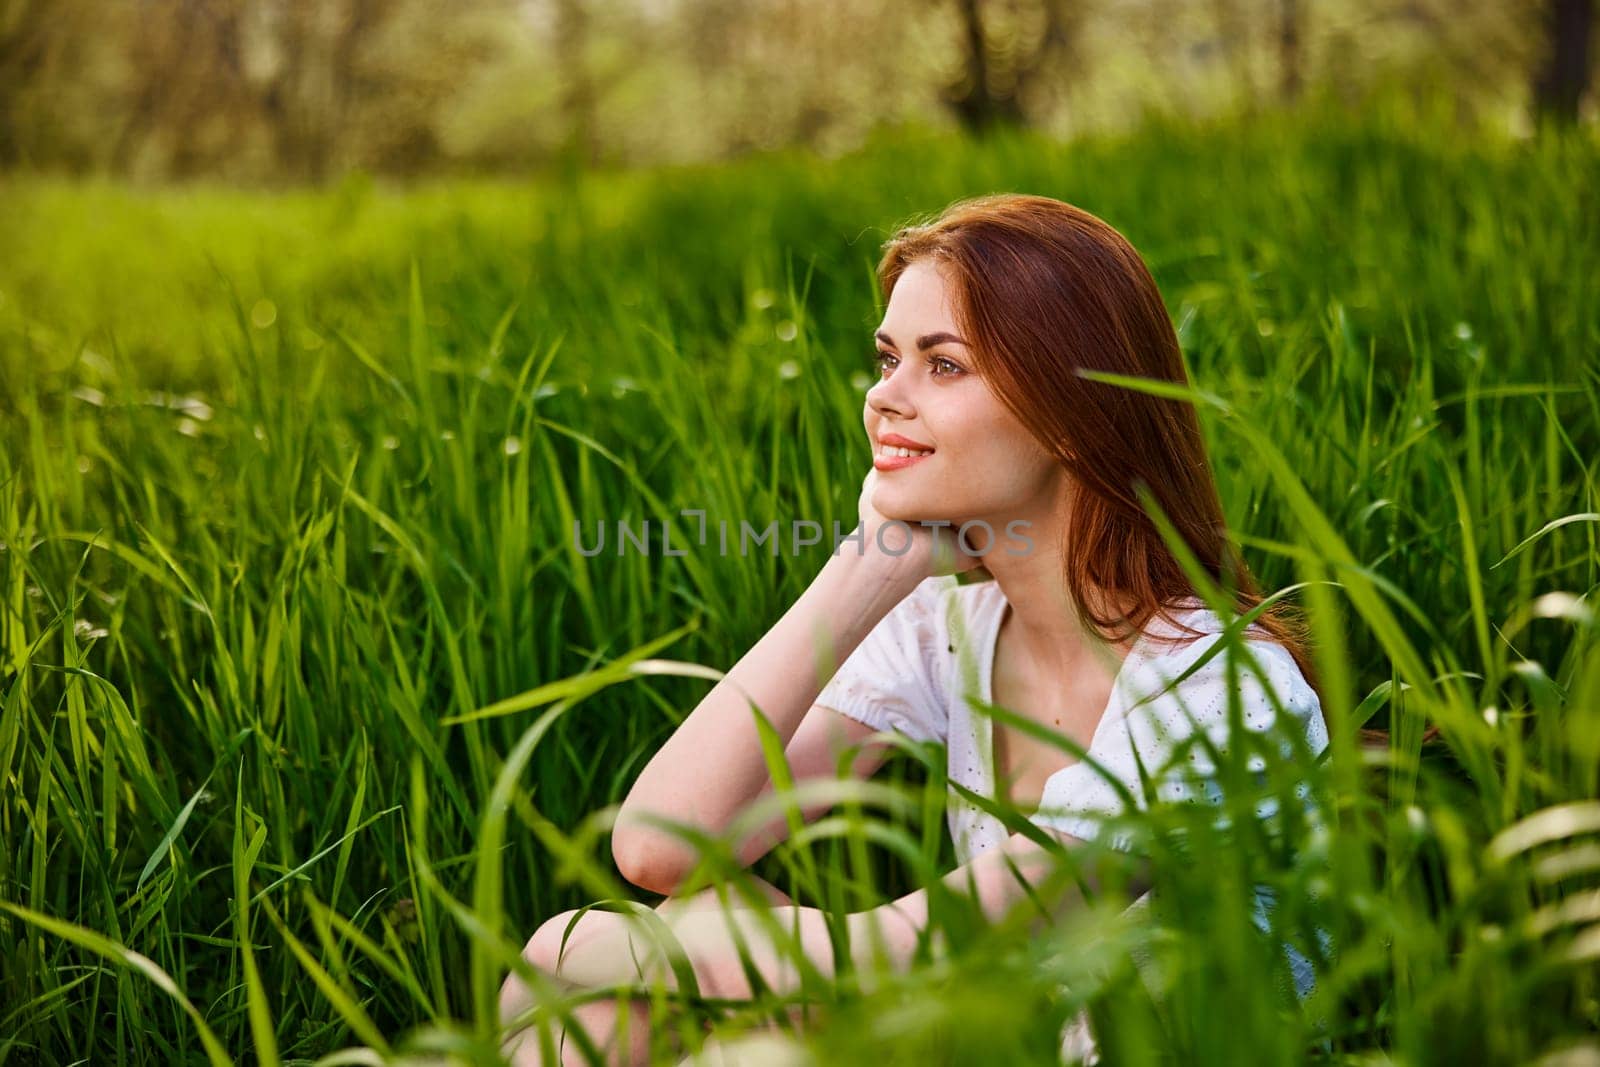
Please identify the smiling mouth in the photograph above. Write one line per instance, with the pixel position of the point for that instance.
(892, 452)
(893, 459)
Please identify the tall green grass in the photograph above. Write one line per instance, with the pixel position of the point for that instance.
(310, 712)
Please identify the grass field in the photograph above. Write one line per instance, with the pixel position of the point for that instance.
(310, 711)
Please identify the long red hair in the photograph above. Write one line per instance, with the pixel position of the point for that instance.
(1044, 289)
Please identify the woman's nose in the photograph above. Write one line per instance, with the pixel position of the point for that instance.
(886, 399)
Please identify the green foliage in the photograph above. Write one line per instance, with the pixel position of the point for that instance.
(311, 711)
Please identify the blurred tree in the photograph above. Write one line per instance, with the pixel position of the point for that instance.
(1234, 41)
(974, 98)
(578, 98)
(294, 88)
(24, 47)
(304, 90)
(1563, 77)
(52, 83)
(1005, 64)
(1289, 77)
(410, 67)
(188, 87)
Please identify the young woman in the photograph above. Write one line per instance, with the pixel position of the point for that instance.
(980, 420)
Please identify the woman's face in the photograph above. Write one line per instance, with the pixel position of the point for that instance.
(983, 463)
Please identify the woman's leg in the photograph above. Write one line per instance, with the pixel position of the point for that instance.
(599, 1018)
(761, 1048)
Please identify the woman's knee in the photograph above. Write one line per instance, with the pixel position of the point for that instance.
(544, 949)
(542, 953)
(557, 935)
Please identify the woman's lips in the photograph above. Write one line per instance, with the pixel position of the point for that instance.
(894, 463)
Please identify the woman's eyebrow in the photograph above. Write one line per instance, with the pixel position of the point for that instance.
(926, 341)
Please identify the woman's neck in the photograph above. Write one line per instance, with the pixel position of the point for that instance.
(1043, 618)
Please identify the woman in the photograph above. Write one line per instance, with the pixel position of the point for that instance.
(979, 420)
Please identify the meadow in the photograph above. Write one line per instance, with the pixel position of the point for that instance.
(311, 711)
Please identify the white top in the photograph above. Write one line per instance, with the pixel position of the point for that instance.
(917, 670)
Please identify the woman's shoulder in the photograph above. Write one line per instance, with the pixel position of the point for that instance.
(1191, 669)
(937, 596)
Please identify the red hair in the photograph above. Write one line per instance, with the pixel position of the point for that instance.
(1044, 289)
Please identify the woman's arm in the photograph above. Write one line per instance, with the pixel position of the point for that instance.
(998, 878)
(618, 951)
(712, 767)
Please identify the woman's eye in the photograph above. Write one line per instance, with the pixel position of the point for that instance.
(942, 367)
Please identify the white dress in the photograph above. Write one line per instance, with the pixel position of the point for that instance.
(916, 670)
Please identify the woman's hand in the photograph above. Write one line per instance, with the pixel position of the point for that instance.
(607, 948)
(933, 550)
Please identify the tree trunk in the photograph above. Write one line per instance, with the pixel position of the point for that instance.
(970, 98)
(1561, 82)
(578, 103)
(1289, 80)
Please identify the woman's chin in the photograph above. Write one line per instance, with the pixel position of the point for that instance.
(910, 513)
